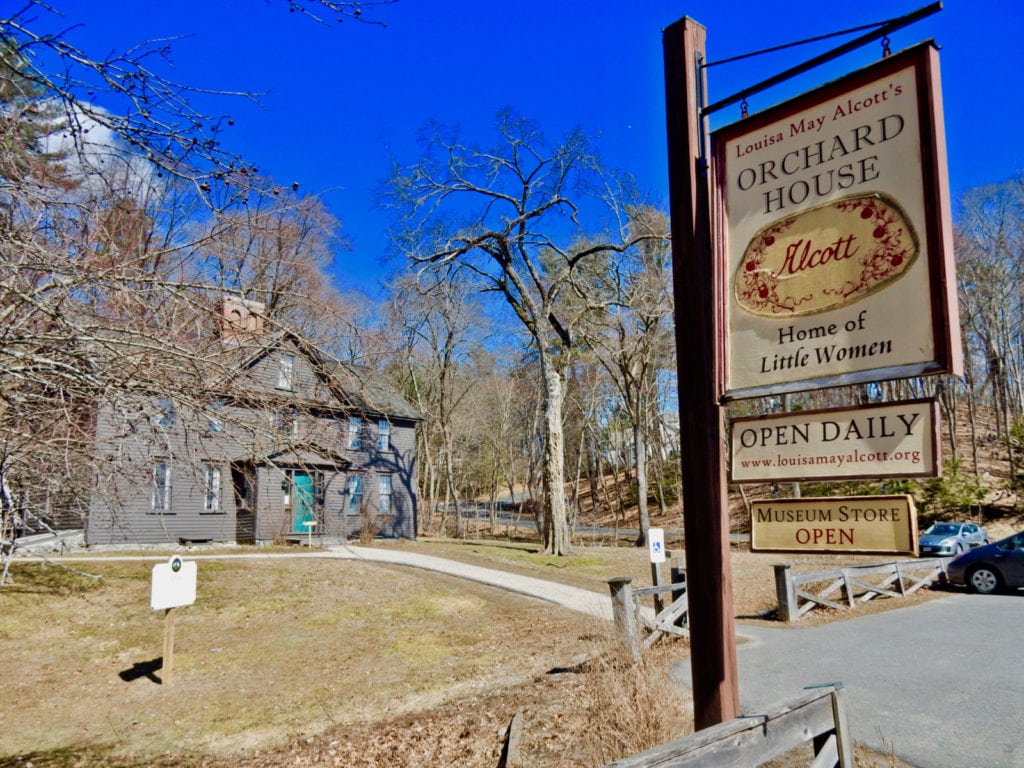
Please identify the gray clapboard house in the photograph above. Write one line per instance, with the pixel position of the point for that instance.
(284, 445)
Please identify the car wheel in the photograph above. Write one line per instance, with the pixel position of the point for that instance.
(984, 580)
(959, 550)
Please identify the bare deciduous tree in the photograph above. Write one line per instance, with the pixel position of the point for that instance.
(109, 176)
(633, 341)
(513, 216)
(441, 327)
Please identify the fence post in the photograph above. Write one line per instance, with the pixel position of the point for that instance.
(851, 599)
(785, 593)
(656, 581)
(844, 741)
(677, 575)
(624, 613)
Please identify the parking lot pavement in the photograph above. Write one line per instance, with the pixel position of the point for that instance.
(939, 684)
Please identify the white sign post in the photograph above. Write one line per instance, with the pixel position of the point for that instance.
(173, 586)
(656, 544)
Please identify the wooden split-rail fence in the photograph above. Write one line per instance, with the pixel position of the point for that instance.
(667, 617)
(818, 716)
(843, 588)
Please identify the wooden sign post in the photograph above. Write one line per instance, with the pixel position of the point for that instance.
(709, 581)
(720, 356)
(168, 663)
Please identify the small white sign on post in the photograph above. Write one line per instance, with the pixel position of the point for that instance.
(656, 542)
(174, 584)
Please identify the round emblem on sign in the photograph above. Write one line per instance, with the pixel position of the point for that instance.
(825, 257)
(176, 563)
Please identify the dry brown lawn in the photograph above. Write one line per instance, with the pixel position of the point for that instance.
(337, 663)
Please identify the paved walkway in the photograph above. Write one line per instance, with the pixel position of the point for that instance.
(574, 598)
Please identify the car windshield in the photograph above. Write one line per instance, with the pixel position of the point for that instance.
(941, 529)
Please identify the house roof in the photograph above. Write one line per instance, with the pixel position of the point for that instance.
(359, 388)
(367, 393)
(312, 455)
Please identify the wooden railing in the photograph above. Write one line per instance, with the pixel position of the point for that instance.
(818, 716)
(631, 615)
(852, 584)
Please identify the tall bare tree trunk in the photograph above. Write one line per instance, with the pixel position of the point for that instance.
(640, 446)
(556, 523)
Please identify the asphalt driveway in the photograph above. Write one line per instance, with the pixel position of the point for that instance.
(940, 684)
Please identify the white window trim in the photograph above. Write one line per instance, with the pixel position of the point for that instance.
(167, 413)
(383, 435)
(286, 422)
(215, 417)
(356, 489)
(355, 433)
(211, 492)
(286, 372)
(384, 482)
(161, 502)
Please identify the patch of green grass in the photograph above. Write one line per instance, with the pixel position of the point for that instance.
(535, 557)
(40, 578)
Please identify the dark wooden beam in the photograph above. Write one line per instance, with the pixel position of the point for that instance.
(698, 349)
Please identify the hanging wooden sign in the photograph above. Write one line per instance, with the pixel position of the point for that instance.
(852, 524)
(876, 441)
(835, 246)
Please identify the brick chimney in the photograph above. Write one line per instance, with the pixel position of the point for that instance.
(240, 319)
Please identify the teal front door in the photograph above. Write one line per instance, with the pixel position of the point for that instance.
(302, 502)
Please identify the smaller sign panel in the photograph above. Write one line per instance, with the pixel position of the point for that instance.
(656, 541)
(885, 440)
(174, 584)
(851, 525)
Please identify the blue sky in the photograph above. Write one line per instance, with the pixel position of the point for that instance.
(337, 100)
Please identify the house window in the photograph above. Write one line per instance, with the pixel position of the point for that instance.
(384, 494)
(286, 422)
(355, 432)
(215, 416)
(161, 487)
(211, 502)
(286, 372)
(355, 494)
(166, 413)
(383, 435)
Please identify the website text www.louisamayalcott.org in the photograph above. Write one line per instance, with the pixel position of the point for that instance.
(837, 460)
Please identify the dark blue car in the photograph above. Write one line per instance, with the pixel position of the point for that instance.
(990, 568)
